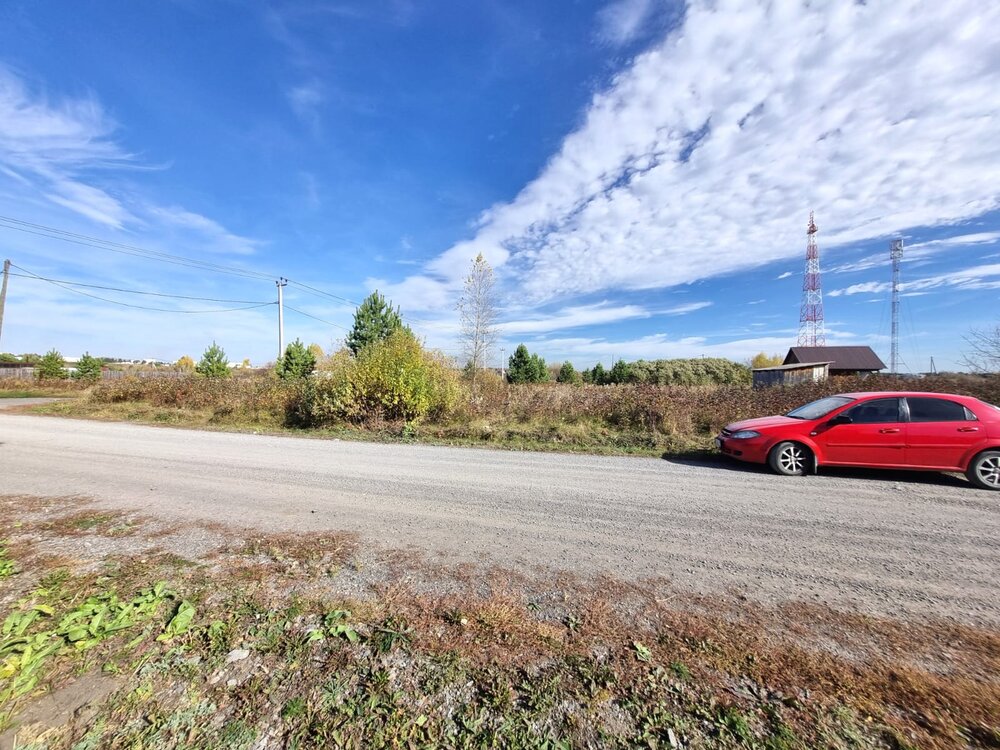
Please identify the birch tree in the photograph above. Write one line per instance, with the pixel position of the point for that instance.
(478, 312)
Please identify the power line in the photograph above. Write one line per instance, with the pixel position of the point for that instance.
(324, 294)
(42, 230)
(29, 275)
(327, 322)
(62, 285)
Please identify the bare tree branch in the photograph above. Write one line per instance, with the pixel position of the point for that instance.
(984, 355)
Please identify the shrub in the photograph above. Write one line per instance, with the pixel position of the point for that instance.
(393, 379)
(213, 363)
(298, 362)
(51, 366)
(88, 369)
(697, 371)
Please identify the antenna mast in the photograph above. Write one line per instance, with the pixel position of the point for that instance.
(896, 254)
(811, 328)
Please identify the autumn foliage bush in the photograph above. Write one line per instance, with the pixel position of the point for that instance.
(391, 380)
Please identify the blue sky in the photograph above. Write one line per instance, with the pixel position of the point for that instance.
(639, 172)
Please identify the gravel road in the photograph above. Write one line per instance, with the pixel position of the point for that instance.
(897, 544)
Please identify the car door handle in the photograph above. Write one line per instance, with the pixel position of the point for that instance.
(968, 429)
(887, 430)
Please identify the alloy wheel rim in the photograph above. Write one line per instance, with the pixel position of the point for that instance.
(989, 471)
(791, 459)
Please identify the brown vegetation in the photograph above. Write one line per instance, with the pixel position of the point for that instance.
(646, 419)
(348, 653)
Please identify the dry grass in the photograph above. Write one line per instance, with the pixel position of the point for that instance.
(597, 663)
(642, 419)
(22, 388)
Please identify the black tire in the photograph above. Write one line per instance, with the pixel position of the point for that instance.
(984, 470)
(789, 459)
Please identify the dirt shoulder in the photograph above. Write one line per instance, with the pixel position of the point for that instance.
(167, 634)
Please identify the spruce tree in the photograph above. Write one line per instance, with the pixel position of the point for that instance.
(297, 362)
(567, 373)
(520, 368)
(541, 372)
(598, 376)
(213, 363)
(51, 366)
(88, 368)
(620, 372)
(374, 320)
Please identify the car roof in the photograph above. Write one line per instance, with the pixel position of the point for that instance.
(908, 394)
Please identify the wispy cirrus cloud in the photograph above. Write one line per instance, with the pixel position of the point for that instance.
(704, 156)
(51, 146)
(65, 152)
(977, 277)
(623, 20)
(920, 251)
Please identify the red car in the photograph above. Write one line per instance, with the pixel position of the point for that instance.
(886, 430)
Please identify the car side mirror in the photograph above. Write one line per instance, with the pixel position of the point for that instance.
(840, 419)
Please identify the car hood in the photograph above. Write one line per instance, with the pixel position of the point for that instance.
(762, 423)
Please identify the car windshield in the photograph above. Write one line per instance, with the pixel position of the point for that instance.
(820, 408)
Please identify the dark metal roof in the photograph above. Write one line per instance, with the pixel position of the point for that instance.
(841, 358)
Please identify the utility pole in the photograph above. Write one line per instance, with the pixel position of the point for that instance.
(3, 293)
(933, 368)
(896, 255)
(502, 352)
(281, 283)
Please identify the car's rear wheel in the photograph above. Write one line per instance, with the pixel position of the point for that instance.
(984, 470)
(789, 459)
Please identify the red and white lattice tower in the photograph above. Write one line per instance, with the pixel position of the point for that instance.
(811, 330)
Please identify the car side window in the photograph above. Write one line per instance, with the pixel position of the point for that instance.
(937, 410)
(876, 411)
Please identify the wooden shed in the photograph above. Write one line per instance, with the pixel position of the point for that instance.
(799, 372)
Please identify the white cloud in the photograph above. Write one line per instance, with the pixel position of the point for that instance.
(585, 351)
(215, 237)
(57, 149)
(574, 317)
(623, 20)
(920, 251)
(48, 145)
(686, 308)
(978, 277)
(705, 155)
(784, 275)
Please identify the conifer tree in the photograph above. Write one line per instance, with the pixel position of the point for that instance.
(213, 363)
(297, 362)
(374, 320)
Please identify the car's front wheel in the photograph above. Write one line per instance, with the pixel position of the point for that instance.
(789, 459)
(984, 471)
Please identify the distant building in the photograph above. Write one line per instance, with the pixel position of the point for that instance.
(843, 360)
(793, 374)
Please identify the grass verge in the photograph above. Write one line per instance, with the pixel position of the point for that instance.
(589, 436)
(315, 641)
